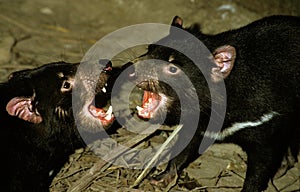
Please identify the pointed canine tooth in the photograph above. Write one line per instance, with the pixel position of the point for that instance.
(103, 90)
(139, 108)
(110, 110)
(37, 112)
(105, 84)
(108, 117)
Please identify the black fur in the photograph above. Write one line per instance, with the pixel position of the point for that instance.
(265, 78)
(33, 150)
(38, 137)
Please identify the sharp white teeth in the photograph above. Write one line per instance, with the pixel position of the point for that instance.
(51, 172)
(103, 90)
(105, 84)
(36, 111)
(109, 111)
(108, 117)
(95, 112)
(139, 108)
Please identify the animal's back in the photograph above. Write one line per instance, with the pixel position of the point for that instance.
(266, 75)
(267, 67)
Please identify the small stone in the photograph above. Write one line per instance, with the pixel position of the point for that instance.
(78, 151)
(46, 11)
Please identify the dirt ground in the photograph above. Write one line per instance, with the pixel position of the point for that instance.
(35, 32)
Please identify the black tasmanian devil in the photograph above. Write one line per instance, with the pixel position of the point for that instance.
(38, 130)
(260, 66)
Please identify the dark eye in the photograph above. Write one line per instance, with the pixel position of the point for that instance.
(172, 69)
(66, 86)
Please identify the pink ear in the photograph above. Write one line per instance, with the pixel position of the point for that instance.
(22, 107)
(224, 58)
(177, 22)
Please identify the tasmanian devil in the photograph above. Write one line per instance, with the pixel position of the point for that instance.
(38, 129)
(260, 66)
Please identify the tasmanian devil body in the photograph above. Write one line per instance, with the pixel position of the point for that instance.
(260, 66)
(38, 128)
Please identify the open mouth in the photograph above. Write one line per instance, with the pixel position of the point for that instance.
(102, 112)
(105, 116)
(151, 103)
(94, 90)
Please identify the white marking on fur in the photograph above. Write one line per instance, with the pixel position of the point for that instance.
(171, 58)
(239, 126)
(60, 74)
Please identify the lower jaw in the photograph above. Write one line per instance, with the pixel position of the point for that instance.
(90, 122)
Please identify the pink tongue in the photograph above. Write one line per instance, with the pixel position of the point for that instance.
(150, 103)
(155, 98)
(101, 115)
(97, 112)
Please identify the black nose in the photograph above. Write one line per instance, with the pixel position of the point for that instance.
(107, 63)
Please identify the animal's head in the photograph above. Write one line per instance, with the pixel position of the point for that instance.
(42, 94)
(178, 70)
(92, 95)
(45, 95)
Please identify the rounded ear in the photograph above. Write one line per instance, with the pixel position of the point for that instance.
(224, 58)
(177, 22)
(22, 108)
